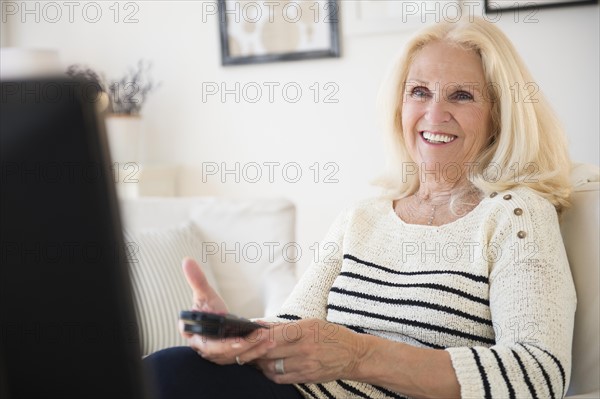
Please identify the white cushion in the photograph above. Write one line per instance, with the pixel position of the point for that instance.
(246, 247)
(250, 287)
(159, 286)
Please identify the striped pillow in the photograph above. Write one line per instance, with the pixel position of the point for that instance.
(159, 286)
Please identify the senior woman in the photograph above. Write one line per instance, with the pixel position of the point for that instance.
(454, 283)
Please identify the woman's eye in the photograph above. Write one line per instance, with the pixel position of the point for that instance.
(461, 96)
(420, 92)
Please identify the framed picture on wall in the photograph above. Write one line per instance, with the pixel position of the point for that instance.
(367, 17)
(492, 6)
(269, 31)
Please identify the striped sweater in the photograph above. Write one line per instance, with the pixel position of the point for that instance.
(492, 288)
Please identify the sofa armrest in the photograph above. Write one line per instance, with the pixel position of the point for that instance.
(579, 227)
(590, 395)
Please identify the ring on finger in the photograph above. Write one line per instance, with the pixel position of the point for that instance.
(279, 369)
(238, 361)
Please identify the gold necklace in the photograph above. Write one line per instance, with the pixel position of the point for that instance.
(412, 209)
(434, 207)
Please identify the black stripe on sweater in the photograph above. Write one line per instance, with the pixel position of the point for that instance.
(511, 390)
(433, 286)
(324, 391)
(356, 329)
(544, 373)
(474, 277)
(484, 378)
(360, 330)
(560, 368)
(412, 302)
(307, 390)
(525, 375)
(288, 316)
(413, 323)
(429, 344)
(388, 392)
(350, 388)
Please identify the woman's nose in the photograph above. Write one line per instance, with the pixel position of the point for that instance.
(437, 111)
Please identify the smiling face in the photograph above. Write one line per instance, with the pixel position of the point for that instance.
(445, 116)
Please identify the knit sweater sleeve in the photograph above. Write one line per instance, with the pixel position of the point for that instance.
(532, 303)
(309, 297)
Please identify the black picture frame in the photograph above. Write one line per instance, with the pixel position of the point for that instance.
(492, 7)
(333, 51)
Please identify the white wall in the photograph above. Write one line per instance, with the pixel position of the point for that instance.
(561, 49)
(3, 32)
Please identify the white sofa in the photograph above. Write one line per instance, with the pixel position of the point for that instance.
(255, 285)
(580, 228)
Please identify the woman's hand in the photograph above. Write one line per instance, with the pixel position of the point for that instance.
(205, 299)
(313, 351)
(232, 350)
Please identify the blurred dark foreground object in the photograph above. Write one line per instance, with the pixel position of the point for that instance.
(67, 322)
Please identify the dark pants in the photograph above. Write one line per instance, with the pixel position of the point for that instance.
(181, 373)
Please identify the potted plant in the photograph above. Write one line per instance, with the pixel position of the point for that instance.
(126, 97)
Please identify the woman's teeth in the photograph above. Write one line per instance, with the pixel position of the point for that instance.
(438, 138)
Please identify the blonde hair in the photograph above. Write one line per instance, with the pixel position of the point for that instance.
(527, 146)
